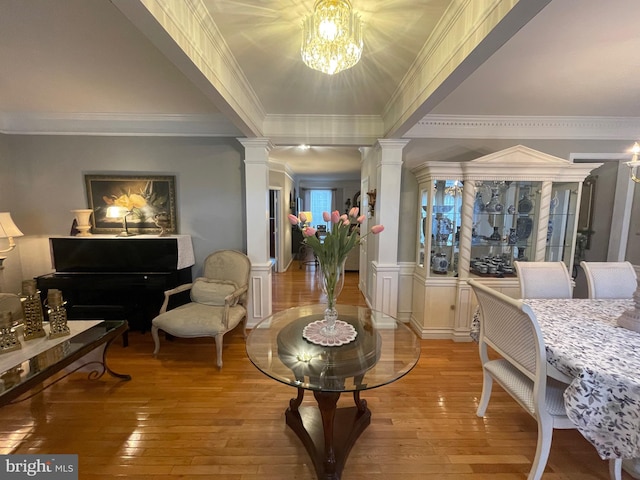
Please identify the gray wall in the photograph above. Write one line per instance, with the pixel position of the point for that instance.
(603, 206)
(43, 179)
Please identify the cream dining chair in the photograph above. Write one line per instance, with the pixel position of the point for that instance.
(510, 329)
(544, 280)
(610, 279)
(218, 301)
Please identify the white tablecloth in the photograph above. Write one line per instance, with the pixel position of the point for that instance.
(583, 341)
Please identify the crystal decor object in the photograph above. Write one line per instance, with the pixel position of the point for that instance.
(57, 314)
(8, 336)
(32, 310)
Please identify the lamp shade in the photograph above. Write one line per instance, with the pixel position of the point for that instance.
(8, 229)
(308, 217)
(115, 212)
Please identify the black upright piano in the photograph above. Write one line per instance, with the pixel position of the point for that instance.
(117, 277)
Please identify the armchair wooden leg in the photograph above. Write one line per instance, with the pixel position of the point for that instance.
(156, 339)
(219, 349)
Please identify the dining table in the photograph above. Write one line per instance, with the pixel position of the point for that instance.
(601, 362)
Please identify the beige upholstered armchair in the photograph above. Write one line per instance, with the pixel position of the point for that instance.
(218, 301)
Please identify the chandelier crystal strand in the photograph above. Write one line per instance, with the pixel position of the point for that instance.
(332, 37)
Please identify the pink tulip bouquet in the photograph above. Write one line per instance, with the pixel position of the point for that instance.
(332, 251)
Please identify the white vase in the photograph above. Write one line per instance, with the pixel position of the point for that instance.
(83, 223)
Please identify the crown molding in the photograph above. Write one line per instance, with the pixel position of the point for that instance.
(185, 32)
(237, 86)
(116, 124)
(320, 129)
(469, 33)
(516, 127)
(323, 129)
(281, 167)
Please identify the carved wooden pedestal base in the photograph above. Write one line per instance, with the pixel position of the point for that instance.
(328, 433)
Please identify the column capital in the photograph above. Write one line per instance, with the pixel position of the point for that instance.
(392, 143)
(258, 142)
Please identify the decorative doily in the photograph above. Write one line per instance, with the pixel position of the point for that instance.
(344, 333)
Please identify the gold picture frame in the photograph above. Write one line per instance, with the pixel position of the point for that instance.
(143, 196)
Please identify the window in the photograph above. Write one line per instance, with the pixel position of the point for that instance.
(320, 201)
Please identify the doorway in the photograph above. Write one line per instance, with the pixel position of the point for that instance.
(274, 229)
(595, 221)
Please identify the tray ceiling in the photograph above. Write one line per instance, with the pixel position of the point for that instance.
(118, 67)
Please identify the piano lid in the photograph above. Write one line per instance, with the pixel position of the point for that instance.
(142, 253)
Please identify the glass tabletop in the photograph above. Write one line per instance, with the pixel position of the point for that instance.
(383, 351)
(41, 357)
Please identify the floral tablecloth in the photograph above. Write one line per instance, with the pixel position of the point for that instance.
(584, 342)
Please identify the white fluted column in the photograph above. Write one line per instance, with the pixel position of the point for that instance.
(385, 268)
(256, 167)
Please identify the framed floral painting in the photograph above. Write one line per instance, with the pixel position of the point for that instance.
(143, 198)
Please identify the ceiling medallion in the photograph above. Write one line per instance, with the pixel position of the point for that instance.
(332, 37)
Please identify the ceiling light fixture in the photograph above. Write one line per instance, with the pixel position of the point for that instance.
(332, 37)
(634, 163)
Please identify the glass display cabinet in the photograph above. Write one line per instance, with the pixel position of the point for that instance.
(477, 217)
(439, 229)
(503, 228)
(563, 212)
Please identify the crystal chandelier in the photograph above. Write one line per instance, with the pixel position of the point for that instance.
(332, 37)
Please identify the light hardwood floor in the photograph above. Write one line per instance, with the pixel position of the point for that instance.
(180, 417)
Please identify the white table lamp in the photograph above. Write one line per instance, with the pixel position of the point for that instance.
(306, 218)
(8, 230)
(120, 212)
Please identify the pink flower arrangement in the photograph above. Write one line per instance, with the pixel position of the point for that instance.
(339, 240)
(333, 250)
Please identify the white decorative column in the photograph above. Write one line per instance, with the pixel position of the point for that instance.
(385, 268)
(543, 222)
(256, 183)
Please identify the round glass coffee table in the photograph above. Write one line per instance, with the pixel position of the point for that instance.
(383, 351)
